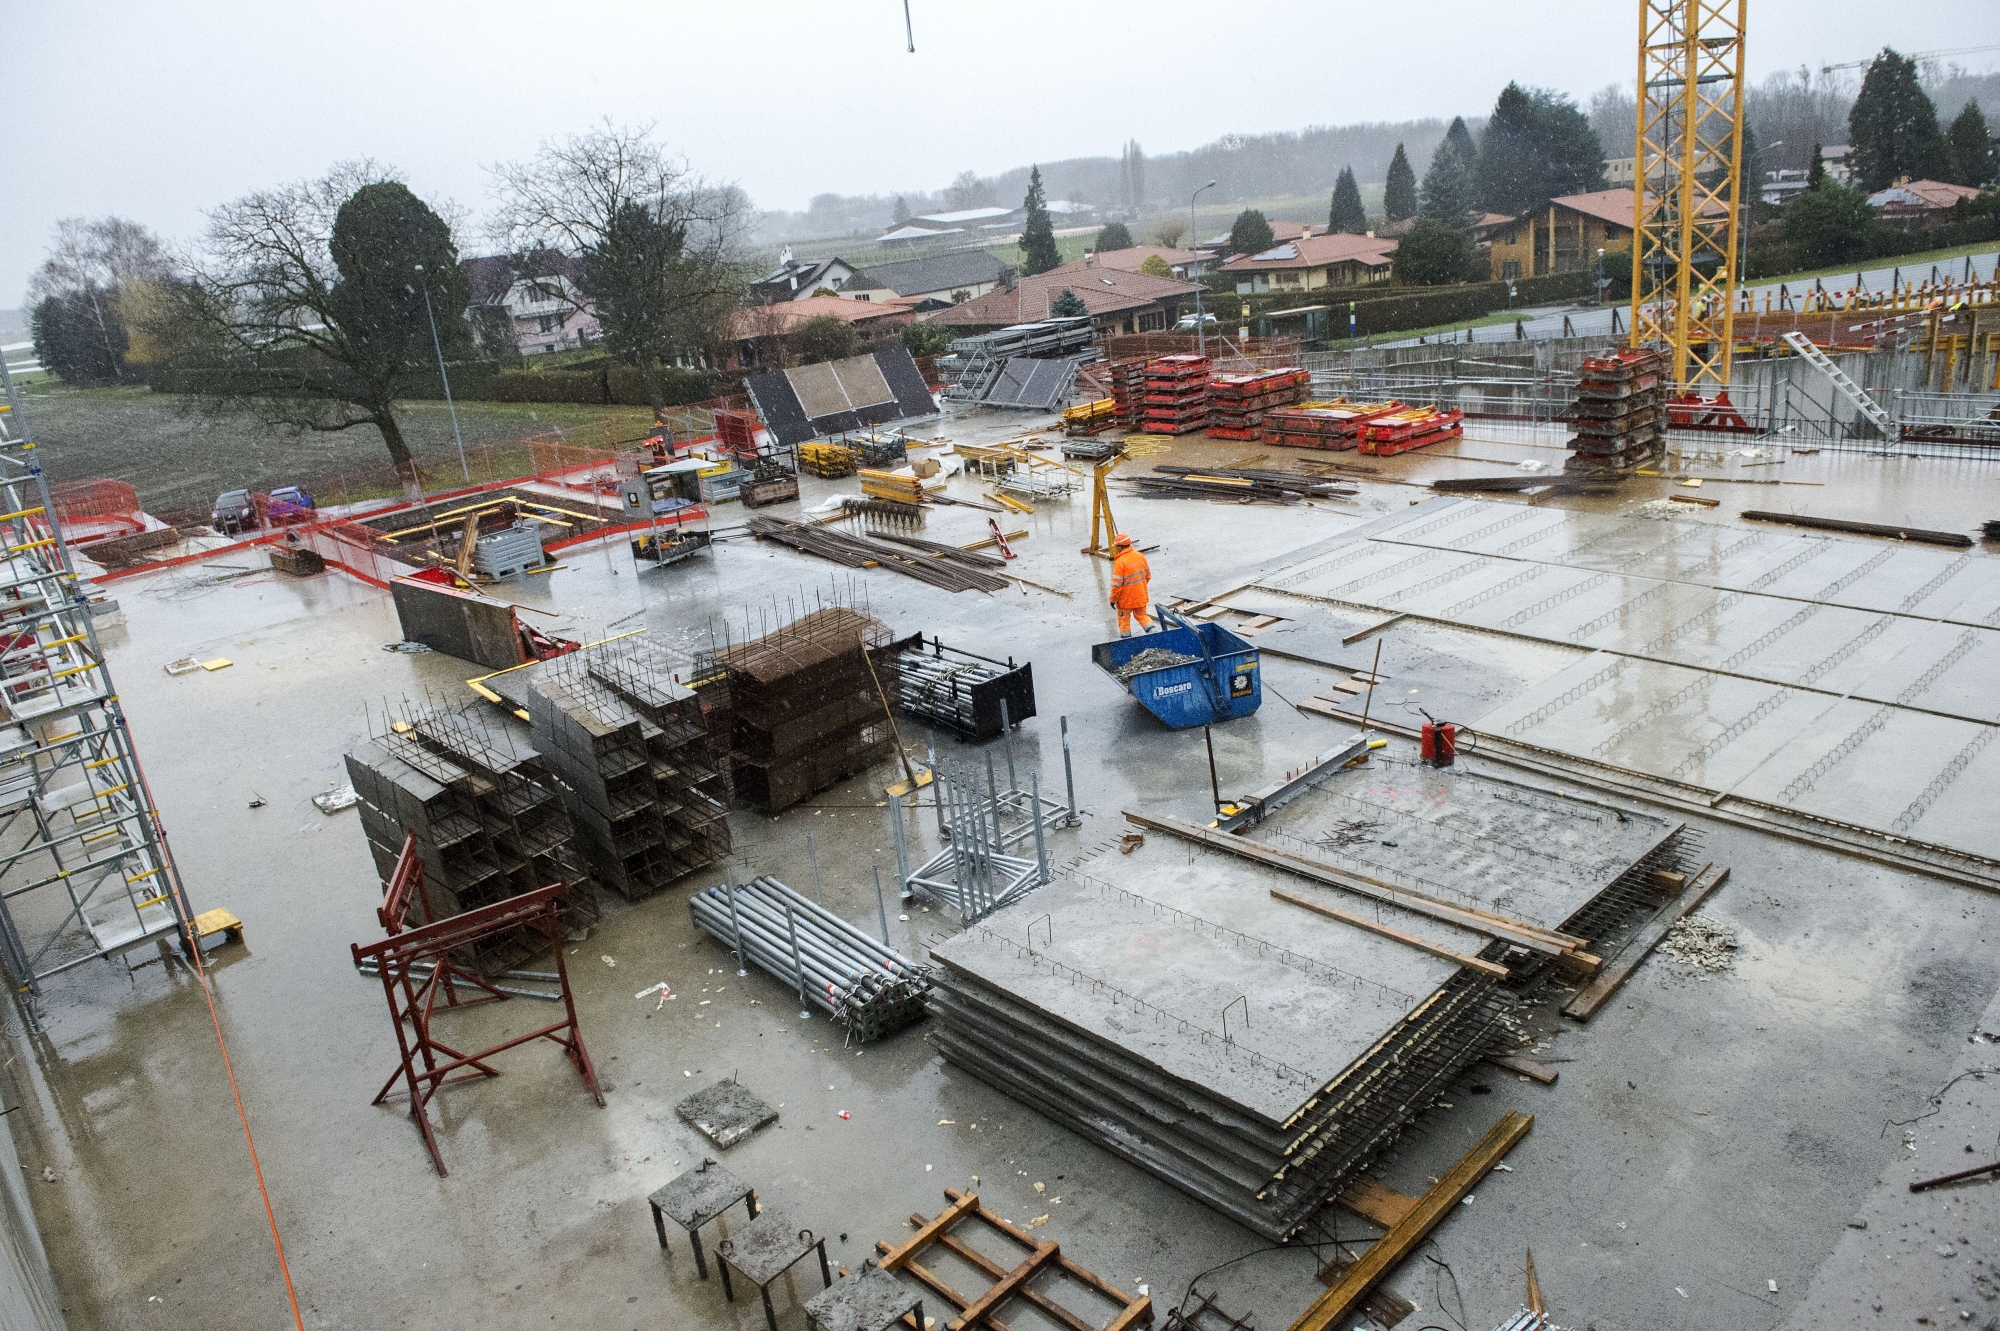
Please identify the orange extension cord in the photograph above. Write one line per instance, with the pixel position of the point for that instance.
(201, 970)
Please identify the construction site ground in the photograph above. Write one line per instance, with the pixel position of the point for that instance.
(1713, 1133)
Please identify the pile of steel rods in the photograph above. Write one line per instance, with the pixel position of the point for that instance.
(1241, 483)
(863, 984)
(957, 571)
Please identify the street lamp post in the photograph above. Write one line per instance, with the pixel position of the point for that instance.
(438, 346)
(1600, 274)
(1194, 236)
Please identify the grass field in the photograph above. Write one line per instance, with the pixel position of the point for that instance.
(179, 462)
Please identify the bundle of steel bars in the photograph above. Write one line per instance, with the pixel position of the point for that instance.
(958, 571)
(863, 984)
(1242, 483)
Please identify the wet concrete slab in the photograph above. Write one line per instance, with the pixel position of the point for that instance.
(1730, 1124)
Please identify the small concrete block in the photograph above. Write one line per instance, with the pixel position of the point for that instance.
(725, 1113)
(700, 1194)
(869, 1300)
(763, 1249)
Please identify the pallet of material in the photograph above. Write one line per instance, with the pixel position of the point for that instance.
(1413, 427)
(892, 485)
(829, 460)
(1179, 367)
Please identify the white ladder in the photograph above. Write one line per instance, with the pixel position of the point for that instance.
(1845, 386)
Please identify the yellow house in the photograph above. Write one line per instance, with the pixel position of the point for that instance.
(1563, 237)
(1312, 262)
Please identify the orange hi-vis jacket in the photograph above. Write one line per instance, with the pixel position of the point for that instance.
(1130, 575)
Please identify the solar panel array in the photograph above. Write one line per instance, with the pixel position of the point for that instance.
(835, 396)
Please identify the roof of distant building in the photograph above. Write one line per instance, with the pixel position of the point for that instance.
(783, 317)
(933, 272)
(492, 276)
(1102, 292)
(1131, 258)
(1317, 252)
(1920, 195)
(921, 233)
(964, 215)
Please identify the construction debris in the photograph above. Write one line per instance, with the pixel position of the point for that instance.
(1153, 658)
(1696, 940)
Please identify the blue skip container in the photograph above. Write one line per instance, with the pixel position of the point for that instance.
(1225, 683)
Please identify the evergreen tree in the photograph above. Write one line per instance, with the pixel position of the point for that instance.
(1432, 254)
(1827, 225)
(1460, 139)
(1448, 194)
(1971, 148)
(1038, 236)
(1894, 127)
(1114, 237)
(1537, 146)
(1399, 192)
(1815, 173)
(1067, 305)
(902, 212)
(1251, 233)
(1346, 213)
(80, 338)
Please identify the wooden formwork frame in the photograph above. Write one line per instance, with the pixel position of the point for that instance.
(1043, 1255)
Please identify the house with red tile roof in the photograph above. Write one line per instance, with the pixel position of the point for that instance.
(1310, 263)
(1117, 301)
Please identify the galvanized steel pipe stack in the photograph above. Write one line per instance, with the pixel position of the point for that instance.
(865, 985)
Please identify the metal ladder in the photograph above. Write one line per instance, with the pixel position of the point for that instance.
(1843, 385)
(88, 875)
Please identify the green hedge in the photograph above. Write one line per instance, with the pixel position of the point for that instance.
(620, 385)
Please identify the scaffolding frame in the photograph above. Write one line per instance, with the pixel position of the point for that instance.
(85, 873)
(1689, 138)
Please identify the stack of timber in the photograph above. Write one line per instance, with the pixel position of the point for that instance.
(829, 460)
(895, 486)
(1237, 402)
(1239, 483)
(803, 704)
(1334, 425)
(1412, 427)
(487, 821)
(639, 778)
(948, 567)
(1089, 418)
(1176, 394)
(1619, 415)
(1128, 389)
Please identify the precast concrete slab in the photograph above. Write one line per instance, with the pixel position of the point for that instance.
(1492, 845)
(1146, 954)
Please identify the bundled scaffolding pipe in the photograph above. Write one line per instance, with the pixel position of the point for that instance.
(973, 874)
(865, 985)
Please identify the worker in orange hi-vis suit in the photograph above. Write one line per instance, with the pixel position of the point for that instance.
(1131, 579)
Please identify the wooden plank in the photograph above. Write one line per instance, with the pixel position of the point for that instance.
(992, 1270)
(1359, 634)
(1386, 1252)
(1526, 1067)
(943, 1220)
(1045, 1252)
(938, 1286)
(1534, 937)
(1385, 1305)
(1372, 1201)
(1485, 967)
(1619, 969)
(1077, 1273)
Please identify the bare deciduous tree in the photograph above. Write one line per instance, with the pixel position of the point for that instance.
(660, 248)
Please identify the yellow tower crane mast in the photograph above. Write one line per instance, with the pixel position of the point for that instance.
(1687, 186)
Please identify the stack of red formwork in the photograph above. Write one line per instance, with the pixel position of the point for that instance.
(736, 434)
(1412, 427)
(1330, 425)
(1176, 394)
(1237, 402)
(1128, 389)
(1619, 416)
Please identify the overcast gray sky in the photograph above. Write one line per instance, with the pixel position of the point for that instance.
(160, 111)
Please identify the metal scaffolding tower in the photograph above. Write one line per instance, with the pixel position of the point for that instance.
(1685, 184)
(84, 869)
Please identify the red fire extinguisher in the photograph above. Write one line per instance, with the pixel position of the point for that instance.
(1438, 744)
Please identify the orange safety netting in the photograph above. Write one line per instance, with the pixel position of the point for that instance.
(97, 508)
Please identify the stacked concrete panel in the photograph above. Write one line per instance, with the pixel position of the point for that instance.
(487, 824)
(633, 753)
(803, 705)
(1172, 1029)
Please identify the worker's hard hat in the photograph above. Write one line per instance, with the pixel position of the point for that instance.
(1123, 539)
